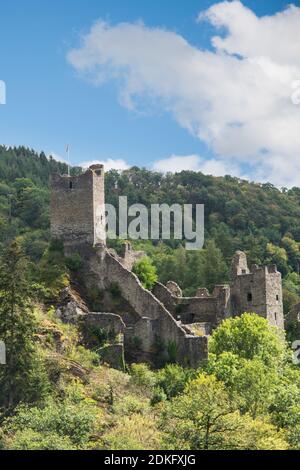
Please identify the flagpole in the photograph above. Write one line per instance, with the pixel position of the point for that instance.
(68, 153)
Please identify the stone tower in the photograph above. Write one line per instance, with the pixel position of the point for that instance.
(258, 290)
(78, 208)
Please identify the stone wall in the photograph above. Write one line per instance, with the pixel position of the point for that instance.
(212, 309)
(99, 204)
(155, 323)
(274, 299)
(107, 321)
(129, 256)
(259, 291)
(77, 207)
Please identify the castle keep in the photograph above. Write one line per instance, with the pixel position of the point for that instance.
(78, 207)
(161, 323)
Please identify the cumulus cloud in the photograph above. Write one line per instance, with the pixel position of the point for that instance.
(214, 167)
(109, 164)
(235, 98)
(57, 157)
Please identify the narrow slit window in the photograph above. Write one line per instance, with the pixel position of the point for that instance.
(71, 185)
(249, 297)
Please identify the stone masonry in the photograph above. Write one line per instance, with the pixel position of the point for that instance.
(154, 324)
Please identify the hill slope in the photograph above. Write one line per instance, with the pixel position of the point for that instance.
(260, 219)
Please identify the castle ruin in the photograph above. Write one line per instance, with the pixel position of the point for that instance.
(155, 324)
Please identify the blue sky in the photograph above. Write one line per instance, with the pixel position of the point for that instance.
(51, 102)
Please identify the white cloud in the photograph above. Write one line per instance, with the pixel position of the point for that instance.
(109, 164)
(214, 167)
(57, 157)
(177, 163)
(236, 98)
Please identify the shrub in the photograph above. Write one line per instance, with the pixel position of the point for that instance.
(74, 262)
(172, 351)
(146, 272)
(129, 404)
(142, 376)
(42, 428)
(135, 432)
(158, 396)
(173, 379)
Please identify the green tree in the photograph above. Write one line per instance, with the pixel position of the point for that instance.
(278, 256)
(250, 383)
(19, 378)
(249, 336)
(146, 272)
(214, 268)
(205, 418)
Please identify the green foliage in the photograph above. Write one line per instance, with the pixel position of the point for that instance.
(172, 351)
(74, 262)
(246, 397)
(51, 274)
(173, 378)
(259, 219)
(205, 418)
(214, 267)
(142, 376)
(158, 396)
(247, 337)
(99, 337)
(250, 382)
(22, 377)
(135, 432)
(41, 428)
(146, 272)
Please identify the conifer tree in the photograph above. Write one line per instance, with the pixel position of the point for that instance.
(17, 329)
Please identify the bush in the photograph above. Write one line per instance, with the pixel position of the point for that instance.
(74, 262)
(158, 396)
(134, 432)
(129, 405)
(173, 379)
(172, 351)
(146, 272)
(142, 376)
(43, 428)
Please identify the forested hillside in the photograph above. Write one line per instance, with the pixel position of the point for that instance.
(260, 219)
(56, 392)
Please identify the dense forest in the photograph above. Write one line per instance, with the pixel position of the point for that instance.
(257, 218)
(56, 393)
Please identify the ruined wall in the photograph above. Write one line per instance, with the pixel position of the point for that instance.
(129, 256)
(155, 320)
(248, 293)
(107, 321)
(259, 291)
(154, 323)
(274, 300)
(212, 309)
(99, 204)
(77, 207)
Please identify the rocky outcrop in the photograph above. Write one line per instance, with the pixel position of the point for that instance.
(71, 307)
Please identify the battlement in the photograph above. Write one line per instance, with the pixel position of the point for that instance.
(78, 207)
(257, 290)
(239, 267)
